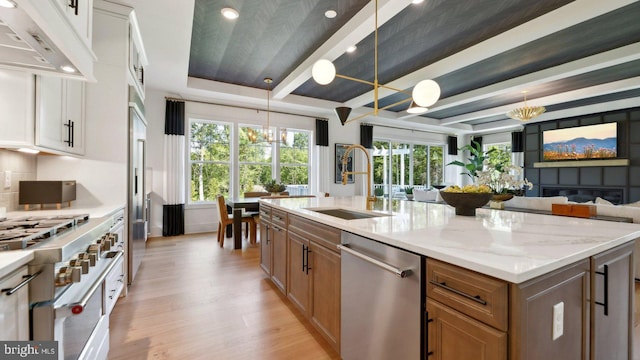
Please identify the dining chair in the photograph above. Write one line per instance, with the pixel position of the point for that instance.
(227, 219)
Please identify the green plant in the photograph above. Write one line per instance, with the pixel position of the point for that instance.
(378, 191)
(476, 159)
(273, 186)
(408, 190)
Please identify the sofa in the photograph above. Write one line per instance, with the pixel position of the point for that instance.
(603, 207)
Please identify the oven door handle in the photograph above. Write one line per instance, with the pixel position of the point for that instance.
(27, 279)
(76, 307)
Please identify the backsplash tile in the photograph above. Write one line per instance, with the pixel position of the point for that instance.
(22, 167)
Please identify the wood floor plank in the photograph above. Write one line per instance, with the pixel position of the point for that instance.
(193, 300)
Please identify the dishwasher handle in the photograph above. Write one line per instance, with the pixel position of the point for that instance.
(402, 273)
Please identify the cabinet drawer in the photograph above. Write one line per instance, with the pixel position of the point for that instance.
(265, 213)
(279, 217)
(479, 296)
(113, 285)
(322, 234)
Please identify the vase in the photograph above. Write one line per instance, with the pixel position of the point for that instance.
(497, 200)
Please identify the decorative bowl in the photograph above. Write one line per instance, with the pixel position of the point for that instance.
(466, 203)
(501, 197)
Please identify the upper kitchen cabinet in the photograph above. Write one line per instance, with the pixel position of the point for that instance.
(17, 90)
(60, 113)
(79, 15)
(137, 57)
(51, 37)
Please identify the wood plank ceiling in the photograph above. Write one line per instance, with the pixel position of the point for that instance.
(574, 57)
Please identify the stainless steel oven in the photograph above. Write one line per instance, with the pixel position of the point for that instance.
(70, 303)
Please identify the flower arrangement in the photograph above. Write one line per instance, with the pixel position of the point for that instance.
(500, 177)
(273, 187)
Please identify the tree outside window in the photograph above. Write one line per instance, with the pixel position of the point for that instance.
(294, 162)
(210, 160)
(501, 154)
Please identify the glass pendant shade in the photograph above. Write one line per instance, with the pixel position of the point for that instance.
(415, 109)
(426, 93)
(323, 72)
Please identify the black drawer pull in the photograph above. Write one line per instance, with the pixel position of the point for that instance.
(443, 285)
(605, 303)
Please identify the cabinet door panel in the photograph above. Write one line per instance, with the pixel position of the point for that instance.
(74, 96)
(325, 292)
(265, 247)
(454, 336)
(279, 257)
(50, 132)
(612, 333)
(298, 280)
(14, 309)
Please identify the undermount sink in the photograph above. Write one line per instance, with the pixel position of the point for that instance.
(346, 214)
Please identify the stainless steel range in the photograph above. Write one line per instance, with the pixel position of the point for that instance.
(81, 274)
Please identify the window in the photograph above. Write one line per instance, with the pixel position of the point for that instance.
(294, 162)
(255, 161)
(397, 165)
(209, 160)
(224, 160)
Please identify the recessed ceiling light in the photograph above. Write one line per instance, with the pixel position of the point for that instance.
(68, 68)
(417, 1)
(7, 4)
(351, 48)
(230, 13)
(330, 14)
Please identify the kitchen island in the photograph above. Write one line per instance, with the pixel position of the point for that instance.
(551, 286)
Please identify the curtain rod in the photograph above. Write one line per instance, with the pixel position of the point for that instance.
(243, 107)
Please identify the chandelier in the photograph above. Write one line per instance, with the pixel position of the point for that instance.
(424, 94)
(526, 113)
(267, 135)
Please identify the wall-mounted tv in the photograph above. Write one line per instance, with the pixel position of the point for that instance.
(581, 143)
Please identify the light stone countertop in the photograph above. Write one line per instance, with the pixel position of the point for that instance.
(93, 211)
(511, 246)
(12, 260)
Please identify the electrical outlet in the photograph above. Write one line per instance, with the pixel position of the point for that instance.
(7, 179)
(558, 320)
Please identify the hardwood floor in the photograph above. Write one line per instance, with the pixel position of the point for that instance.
(193, 300)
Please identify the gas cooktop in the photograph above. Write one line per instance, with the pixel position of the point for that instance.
(20, 233)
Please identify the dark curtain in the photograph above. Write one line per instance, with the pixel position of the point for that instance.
(173, 209)
(517, 145)
(322, 132)
(366, 136)
(478, 139)
(452, 143)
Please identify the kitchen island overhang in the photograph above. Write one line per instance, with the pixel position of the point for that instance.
(511, 246)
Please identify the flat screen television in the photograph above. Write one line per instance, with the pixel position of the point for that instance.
(581, 143)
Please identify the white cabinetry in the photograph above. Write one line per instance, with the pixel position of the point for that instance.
(137, 57)
(17, 91)
(78, 13)
(60, 108)
(14, 308)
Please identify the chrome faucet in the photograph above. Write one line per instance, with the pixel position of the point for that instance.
(345, 174)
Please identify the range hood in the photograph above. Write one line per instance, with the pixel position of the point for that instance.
(37, 37)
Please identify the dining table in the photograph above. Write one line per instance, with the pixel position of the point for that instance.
(237, 206)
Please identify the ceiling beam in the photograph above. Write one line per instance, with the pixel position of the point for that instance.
(354, 31)
(557, 20)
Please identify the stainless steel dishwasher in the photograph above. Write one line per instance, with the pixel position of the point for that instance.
(381, 301)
